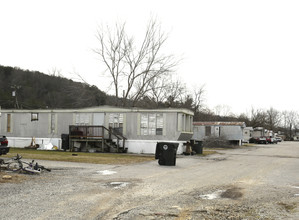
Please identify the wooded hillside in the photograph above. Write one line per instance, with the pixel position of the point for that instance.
(37, 90)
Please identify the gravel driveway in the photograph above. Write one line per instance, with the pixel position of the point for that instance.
(260, 182)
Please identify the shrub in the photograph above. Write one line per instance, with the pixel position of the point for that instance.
(216, 142)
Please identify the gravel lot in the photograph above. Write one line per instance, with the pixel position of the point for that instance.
(259, 182)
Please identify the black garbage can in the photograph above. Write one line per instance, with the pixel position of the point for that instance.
(197, 147)
(65, 142)
(166, 153)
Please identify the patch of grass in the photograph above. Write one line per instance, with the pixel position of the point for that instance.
(82, 157)
(208, 152)
(248, 145)
(96, 158)
(184, 214)
(288, 207)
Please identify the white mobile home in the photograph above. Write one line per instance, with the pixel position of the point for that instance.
(258, 132)
(231, 131)
(142, 128)
(247, 134)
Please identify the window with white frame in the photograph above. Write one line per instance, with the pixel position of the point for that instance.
(82, 119)
(151, 124)
(34, 116)
(116, 121)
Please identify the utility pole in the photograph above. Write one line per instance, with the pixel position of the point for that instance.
(14, 94)
(290, 130)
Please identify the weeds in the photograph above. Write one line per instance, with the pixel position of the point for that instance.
(95, 158)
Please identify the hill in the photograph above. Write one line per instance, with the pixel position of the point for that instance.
(37, 90)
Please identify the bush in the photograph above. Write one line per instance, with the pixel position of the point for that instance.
(216, 142)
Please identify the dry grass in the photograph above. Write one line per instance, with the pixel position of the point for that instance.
(15, 178)
(96, 158)
(289, 207)
(207, 152)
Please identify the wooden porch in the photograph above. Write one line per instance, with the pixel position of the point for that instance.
(96, 139)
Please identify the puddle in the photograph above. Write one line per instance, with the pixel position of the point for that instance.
(106, 172)
(216, 159)
(214, 195)
(296, 195)
(118, 185)
(232, 193)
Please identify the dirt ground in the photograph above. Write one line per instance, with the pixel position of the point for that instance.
(259, 182)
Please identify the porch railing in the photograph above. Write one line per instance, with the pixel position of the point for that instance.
(94, 133)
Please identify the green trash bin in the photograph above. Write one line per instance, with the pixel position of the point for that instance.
(197, 147)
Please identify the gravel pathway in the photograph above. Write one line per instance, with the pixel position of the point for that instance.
(249, 183)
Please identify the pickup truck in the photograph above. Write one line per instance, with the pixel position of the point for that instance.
(4, 149)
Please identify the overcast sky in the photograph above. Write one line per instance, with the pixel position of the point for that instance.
(246, 53)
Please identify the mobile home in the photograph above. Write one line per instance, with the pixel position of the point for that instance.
(247, 134)
(231, 131)
(142, 128)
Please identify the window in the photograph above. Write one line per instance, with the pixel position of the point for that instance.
(208, 131)
(53, 120)
(34, 116)
(151, 124)
(116, 121)
(159, 129)
(82, 119)
(185, 122)
(8, 124)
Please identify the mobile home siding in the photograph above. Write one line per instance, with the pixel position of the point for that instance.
(170, 125)
(232, 131)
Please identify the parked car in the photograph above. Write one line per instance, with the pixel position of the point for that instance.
(253, 140)
(4, 149)
(271, 140)
(262, 140)
(279, 139)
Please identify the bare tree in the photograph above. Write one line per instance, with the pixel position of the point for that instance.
(133, 67)
(273, 118)
(112, 52)
(175, 92)
(258, 118)
(55, 72)
(198, 98)
(223, 110)
(290, 121)
(158, 90)
(244, 118)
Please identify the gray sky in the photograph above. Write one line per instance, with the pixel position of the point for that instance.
(246, 53)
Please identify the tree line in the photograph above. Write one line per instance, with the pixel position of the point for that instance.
(24, 89)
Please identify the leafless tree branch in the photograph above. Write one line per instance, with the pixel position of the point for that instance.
(134, 67)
